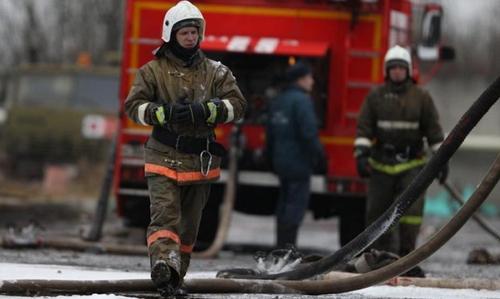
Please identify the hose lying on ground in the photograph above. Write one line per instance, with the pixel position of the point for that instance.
(312, 287)
(480, 221)
(397, 209)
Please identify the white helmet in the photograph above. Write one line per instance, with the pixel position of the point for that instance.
(397, 56)
(182, 11)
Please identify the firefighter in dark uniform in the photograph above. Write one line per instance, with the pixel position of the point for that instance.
(293, 146)
(183, 95)
(394, 121)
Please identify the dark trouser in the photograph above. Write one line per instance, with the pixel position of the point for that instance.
(175, 217)
(383, 190)
(292, 205)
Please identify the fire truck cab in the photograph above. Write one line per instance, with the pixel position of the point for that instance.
(344, 42)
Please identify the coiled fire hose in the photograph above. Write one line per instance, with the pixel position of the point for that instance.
(420, 183)
(314, 287)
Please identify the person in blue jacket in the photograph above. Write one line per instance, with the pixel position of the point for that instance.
(294, 149)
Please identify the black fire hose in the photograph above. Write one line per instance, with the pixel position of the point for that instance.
(405, 200)
(330, 286)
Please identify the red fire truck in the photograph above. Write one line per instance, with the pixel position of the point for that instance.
(344, 41)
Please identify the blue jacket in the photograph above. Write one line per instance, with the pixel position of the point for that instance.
(292, 134)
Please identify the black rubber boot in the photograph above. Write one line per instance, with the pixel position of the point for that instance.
(161, 277)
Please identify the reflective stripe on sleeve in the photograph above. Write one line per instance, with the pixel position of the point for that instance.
(163, 234)
(230, 110)
(141, 113)
(398, 125)
(362, 141)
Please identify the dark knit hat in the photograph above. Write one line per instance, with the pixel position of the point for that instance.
(396, 62)
(186, 23)
(297, 71)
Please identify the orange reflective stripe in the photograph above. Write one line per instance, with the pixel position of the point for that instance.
(181, 176)
(187, 248)
(153, 168)
(163, 234)
(197, 176)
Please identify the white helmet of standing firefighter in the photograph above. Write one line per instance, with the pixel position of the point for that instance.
(397, 56)
(183, 14)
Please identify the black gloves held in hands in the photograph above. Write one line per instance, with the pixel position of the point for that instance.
(183, 112)
(195, 114)
(179, 113)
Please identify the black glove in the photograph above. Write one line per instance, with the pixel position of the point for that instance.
(195, 113)
(362, 153)
(443, 174)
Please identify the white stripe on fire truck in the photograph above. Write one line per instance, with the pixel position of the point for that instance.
(238, 43)
(141, 112)
(398, 124)
(230, 110)
(266, 45)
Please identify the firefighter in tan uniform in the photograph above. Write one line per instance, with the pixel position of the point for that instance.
(183, 95)
(394, 121)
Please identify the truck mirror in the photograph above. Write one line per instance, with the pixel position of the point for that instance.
(431, 25)
(429, 48)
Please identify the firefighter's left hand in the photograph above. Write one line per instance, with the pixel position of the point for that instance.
(443, 174)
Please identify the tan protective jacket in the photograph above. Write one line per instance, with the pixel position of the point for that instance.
(168, 80)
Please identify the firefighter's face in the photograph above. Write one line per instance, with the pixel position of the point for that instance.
(187, 37)
(398, 73)
(306, 82)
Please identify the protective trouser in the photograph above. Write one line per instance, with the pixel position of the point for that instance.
(292, 205)
(383, 190)
(175, 217)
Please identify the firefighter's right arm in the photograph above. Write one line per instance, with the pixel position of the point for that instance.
(364, 136)
(141, 104)
(366, 121)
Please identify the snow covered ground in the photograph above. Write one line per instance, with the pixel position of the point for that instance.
(13, 271)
